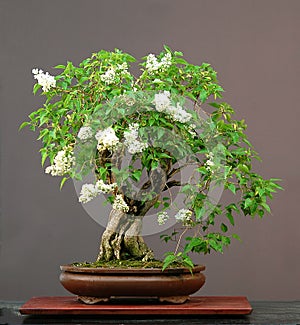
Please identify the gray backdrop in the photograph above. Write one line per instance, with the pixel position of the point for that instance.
(254, 46)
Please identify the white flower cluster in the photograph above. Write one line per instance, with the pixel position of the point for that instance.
(106, 138)
(184, 216)
(163, 103)
(210, 163)
(44, 79)
(110, 76)
(132, 141)
(162, 218)
(120, 204)
(90, 191)
(87, 193)
(63, 162)
(123, 68)
(105, 188)
(152, 63)
(85, 133)
(191, 129)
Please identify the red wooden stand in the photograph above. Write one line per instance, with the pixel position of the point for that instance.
(195, 306)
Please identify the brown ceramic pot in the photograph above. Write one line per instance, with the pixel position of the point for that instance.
(94, 285)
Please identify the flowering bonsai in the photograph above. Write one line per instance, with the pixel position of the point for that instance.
(137, 136)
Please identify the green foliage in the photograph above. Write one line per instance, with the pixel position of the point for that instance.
(219, 154)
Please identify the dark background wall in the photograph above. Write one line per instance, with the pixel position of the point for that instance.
(253, 44)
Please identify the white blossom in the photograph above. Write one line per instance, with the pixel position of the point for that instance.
(162, 217)
(63, 163)
(105, 188)
(123, 68)
(109, 76)
(191, 129)
(120, 204)
(153, 64)
(184, 216)
(132, 142)
(210, 163)
(44, 79)
(162, 101)
(107, 139)
(166, 61)
(85, 133)
(88, 192)
(179, 114)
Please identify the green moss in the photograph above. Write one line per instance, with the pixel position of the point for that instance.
(125, 264)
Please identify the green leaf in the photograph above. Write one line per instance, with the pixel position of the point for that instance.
(231, 187)
(235, 236)
(136, 175)
(167, 49)
(230, 217)
(203, 95)
(171, 257)
(188, 262)
(261, 213)
(199, 212)
(224, 228)
(60, 66)
(165, 238)
(36, 87)
(248, 203)
(63, 182)
(156, 205)
(266, 207)
(215, 245)
(163, 155)
(202, 170)
(243, 168)
(23, 125)
(154, 164)
(44, 156)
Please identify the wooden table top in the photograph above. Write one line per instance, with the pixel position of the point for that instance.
(264, 312)
(195, 306)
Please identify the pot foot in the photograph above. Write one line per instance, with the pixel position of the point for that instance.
(174, 299)
(91, 300)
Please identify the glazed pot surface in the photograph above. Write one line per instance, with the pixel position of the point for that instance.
(105, 283)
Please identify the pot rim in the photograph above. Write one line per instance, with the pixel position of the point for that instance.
(130, 270)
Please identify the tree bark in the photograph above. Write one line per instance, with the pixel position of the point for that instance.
(122, 238)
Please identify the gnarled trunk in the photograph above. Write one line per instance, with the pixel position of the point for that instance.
(122, 238)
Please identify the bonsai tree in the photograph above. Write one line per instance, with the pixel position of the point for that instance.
(136, 136)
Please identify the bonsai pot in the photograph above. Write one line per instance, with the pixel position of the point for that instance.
(93, 285)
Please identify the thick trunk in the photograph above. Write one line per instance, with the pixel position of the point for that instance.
(122, 238)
